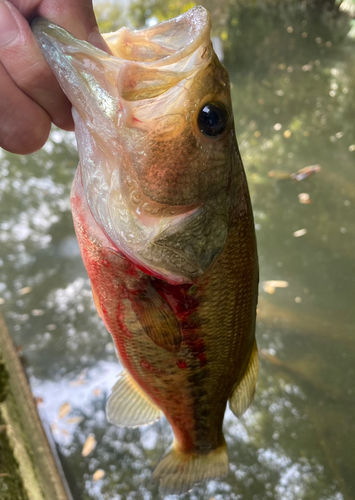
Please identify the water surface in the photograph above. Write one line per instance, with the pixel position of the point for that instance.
(292, 73)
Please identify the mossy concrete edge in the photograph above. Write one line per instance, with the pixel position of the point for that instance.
(39, 469)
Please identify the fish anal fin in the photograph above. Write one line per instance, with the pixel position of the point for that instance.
(128, 406)
(158, 320)
(178, 472)
(243, 394)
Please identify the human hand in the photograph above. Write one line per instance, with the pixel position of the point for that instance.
(30, 97)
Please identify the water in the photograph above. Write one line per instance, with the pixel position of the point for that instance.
(292, 74)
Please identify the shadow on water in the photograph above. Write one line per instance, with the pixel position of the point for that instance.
(292, 73)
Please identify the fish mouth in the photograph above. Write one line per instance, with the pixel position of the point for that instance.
(159, 56)
(107, 92)
(165, 43)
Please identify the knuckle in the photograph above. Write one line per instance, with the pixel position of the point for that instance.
(25, 138)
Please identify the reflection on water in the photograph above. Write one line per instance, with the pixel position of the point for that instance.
(292, 72)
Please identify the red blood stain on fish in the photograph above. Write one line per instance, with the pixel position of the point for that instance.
(180, 298)
(121, 321)
(146, 365)
(184, 300)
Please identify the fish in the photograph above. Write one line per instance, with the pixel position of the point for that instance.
(164, 222)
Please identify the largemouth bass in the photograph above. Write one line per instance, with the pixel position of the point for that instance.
(165, 227)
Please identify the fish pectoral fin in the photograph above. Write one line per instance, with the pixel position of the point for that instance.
(158, 321)
(179, 471)
(128, 406)
(243, 394)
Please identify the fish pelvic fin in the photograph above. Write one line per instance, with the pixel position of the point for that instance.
(243, 394)
(128, 405)
(178, 472)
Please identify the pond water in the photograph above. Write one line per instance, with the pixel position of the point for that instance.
(292, 71)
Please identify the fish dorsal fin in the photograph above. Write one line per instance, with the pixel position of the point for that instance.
(243, 393)
(128, 406)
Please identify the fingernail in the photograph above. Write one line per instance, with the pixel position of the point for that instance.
(8, 26)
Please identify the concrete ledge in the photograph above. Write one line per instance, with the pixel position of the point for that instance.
(39, 469)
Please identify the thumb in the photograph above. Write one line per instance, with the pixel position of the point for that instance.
(75, 16)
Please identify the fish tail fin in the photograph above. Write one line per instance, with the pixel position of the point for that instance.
(179, 471)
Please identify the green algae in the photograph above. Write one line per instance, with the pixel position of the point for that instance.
(11, 484)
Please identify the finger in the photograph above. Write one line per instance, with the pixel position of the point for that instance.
(24, 125)
(23, 60)
(76, 16)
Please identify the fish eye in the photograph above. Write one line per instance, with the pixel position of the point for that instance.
(212, 119)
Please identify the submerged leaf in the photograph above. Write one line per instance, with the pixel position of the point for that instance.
(89, 445)
(64, 410)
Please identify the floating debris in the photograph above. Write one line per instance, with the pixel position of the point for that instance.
(26, 289)
(37, 312)
(298, 300)
(271, 285)
(99, 474)
(300, 232)
(300, 175)
(74, 420)
(97, 392)
(64, 410)
(2, 301)
(305, 172)
(280, 176)
(77, 382)
(51, 327)
(89, 445)
(81, 380)
(38, 400)
(287, 134)
(304, 198)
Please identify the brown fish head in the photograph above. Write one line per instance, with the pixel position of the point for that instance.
(154, 125)
(179, 143)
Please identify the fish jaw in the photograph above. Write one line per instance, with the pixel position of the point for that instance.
(78, 67)
(131, 108)
(169, 41)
